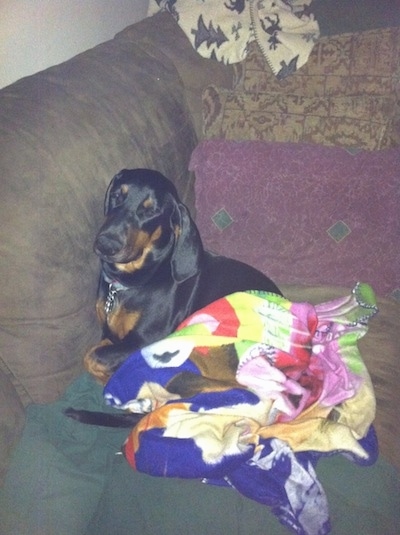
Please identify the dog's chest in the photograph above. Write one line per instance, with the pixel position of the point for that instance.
(114, 310)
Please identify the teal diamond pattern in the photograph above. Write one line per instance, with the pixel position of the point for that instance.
(339, 231)
(222, 219)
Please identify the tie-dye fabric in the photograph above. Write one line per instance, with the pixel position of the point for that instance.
(290, 386)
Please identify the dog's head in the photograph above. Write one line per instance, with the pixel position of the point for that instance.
(146, 224)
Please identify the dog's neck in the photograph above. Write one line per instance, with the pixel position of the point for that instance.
(113, 281)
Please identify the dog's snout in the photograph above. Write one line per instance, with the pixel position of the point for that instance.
(106, 245)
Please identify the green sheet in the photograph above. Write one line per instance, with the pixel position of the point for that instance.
(67, 478)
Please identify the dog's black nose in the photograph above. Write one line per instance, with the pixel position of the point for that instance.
(107, 245)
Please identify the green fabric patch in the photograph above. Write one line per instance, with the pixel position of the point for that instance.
(222, 219)
(66, 479)
(339, 231)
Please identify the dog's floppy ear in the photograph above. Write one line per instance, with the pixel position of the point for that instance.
(188, 249)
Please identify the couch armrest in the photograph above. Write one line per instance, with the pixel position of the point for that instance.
(11, 421)
(64, 133)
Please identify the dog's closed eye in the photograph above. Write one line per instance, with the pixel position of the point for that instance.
(118, 196)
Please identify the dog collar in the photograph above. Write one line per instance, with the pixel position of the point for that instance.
(113, 288)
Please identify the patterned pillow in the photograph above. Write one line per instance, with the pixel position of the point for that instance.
(303, 214)
(346, 95)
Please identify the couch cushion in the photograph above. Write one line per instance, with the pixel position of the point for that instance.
(11, 421)
(302, 213)
(380, 350)
(347, 94)
(196, 72)
(64, 133)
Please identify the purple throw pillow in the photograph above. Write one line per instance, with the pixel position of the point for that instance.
(302, 213)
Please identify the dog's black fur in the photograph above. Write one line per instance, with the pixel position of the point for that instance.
(155, 273)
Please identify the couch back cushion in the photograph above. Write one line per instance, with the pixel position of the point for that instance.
(347, 94)
(303, 214)
(195, 71)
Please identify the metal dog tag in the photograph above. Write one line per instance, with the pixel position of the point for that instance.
(110, 301)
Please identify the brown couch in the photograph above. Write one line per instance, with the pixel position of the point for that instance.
(134, 101)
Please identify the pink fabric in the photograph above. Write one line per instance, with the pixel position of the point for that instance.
(283, 198)
(269, 382)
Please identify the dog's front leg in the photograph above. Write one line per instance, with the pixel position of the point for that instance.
(104, 359)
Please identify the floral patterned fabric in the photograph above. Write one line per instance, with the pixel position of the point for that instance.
(284, 30)
(346, 95)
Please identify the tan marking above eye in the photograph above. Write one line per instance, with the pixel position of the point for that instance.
(148, 203)
(142, 243)
(124, 189)
(122, 321)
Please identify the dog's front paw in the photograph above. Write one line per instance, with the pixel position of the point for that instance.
(96, 364)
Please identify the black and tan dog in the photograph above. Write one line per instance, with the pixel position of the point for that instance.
(155, 272)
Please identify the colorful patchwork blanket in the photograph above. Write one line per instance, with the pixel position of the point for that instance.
(250, 392)
(285, 30)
